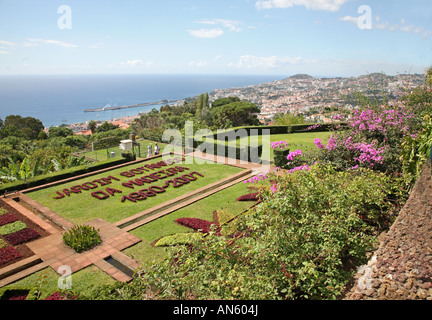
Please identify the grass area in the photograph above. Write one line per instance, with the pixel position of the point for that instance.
(85, 280)
(105, 154)
(83, 207)
(203, 209)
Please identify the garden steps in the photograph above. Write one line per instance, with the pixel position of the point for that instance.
(165, 208)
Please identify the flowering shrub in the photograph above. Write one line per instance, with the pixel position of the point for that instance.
(256, 179)
(7, 218)
(8, 254)
(21, 236)
(294, 154)
(279, 145)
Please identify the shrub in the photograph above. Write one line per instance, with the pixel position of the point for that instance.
(81, 238)
(8, 254)
(3, 211)
(250, 197)
(12, 227)
(7, 218)
(196, 224)
(22, 236)
(178, 239)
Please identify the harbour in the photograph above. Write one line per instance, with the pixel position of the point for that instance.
(107, 108)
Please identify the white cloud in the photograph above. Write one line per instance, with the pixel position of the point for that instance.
(5, 52)
(37, 42)
(270, 62)
(326, 5)
(391, 27)
(206, 33)
(133, 63)
(231, 25)
(7, 43)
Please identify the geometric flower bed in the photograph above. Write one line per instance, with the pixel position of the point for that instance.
(8, 254)
(21, 236)
(14, 232)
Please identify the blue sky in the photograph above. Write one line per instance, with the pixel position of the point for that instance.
(281, 37)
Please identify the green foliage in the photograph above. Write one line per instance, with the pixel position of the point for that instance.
(415, 151)
(304, 242)
(288, 119)
(235, 114)
(280, 158)
(178, 239)
(12, 227)
(3, 244)
(81, 237)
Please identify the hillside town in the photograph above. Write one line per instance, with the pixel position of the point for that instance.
(317, 99)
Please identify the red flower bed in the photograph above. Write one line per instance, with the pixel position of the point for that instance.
(60, 296)
(250, 197)
(8, 254)
(7, 218)
(196, 224)
(21, 236)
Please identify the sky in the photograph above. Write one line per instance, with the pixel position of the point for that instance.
(257, 37)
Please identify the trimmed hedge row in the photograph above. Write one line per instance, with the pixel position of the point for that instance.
(280, 157)
(324, 127)
(250, 154)
(56, 176)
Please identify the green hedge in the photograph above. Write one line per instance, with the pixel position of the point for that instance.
(282, 129)
(56, 176)
(245, 153)
(280, 157)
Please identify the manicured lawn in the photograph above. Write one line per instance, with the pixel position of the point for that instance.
(203, 209)
(104, 154)
(296, 141)
(83, 207)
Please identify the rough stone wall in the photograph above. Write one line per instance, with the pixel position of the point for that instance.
(401, 268)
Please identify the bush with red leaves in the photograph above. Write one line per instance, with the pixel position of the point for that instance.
(196, 224)
(8, 254)
(21, 236)
(7, 218)
(60, 296)
(250, 197)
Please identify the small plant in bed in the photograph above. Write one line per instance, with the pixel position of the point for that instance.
(81, 238)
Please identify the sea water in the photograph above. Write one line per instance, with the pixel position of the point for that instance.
(62, 99)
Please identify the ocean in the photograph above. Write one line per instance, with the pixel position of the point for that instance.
(57, 100)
